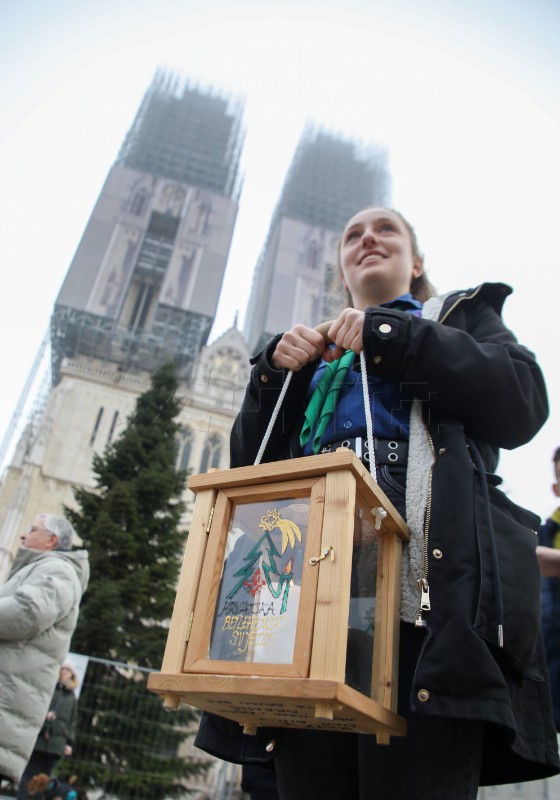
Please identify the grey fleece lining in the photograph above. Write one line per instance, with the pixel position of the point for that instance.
(420, 460)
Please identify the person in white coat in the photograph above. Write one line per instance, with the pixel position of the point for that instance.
(39, 605)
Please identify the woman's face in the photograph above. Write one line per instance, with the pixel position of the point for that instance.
(376, 257)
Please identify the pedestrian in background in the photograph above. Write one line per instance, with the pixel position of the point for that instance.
(39, 605)
(56, 737)
(548, 553)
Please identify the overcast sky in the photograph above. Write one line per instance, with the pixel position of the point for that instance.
(463, 95)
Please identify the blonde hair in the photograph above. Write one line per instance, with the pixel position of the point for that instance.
(420, 287)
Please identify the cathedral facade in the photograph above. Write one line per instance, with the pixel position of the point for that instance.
(86, 411)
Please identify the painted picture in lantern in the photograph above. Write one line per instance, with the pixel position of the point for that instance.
(258, 601)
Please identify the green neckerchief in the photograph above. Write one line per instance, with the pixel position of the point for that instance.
(324, 399)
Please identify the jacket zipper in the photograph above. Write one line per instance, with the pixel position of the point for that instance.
(423, 584)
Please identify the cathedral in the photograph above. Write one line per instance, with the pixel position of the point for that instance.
(144, 284)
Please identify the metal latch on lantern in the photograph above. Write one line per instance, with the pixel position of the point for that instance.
(380, 514)
(326, 552)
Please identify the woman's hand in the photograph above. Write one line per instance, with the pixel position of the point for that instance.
(347, 331)
(298, 347)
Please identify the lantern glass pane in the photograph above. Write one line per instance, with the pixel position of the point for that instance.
(359, 654)
(258, 599)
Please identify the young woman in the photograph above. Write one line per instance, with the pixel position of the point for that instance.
(58, 733)
(450, 385)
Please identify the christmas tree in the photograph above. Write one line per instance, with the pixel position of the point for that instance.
(130, 526)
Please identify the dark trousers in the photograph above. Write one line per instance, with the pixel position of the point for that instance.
(259, 782)
(439, 759)
(550, 601)
(39, 762)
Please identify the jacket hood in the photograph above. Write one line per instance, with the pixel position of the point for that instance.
(78, 558)
(493, 293)
(70, 685)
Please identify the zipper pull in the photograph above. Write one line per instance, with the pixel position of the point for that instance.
(424, 594)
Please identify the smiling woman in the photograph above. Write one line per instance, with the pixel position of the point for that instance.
(449, 384)
(377, 258)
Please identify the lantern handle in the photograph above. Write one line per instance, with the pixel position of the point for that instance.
(322, 328)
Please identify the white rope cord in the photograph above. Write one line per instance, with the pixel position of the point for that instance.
(274, 416)
(369, 419)
(367, 409)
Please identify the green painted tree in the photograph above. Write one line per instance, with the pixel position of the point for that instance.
(127, 742)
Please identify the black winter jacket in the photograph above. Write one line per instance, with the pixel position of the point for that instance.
(476, 390)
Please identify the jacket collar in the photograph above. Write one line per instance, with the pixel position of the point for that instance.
(79, 559)
(493, 293)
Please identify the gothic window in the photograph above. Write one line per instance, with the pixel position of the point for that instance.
(173, 198)
(139, 203)
(113, 426)
(200, 217)
(96, 426)
(312, 254)
(186, 437)
(211, 453)
(151, 265)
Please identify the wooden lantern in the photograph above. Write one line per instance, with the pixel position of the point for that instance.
(286, 568)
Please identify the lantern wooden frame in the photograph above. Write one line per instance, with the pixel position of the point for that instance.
(309, 692)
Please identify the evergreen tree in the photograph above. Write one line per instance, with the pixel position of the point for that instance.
(130, 527)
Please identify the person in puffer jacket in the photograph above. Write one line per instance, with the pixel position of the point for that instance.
(39, 606)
